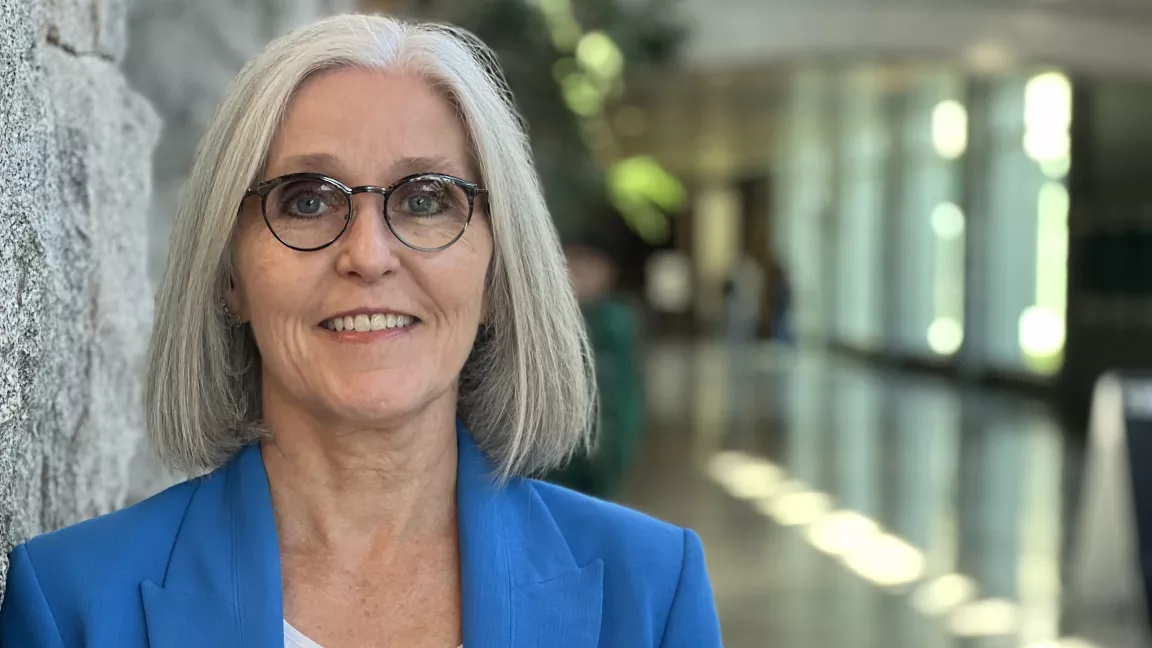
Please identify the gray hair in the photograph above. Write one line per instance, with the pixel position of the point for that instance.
(527, 391)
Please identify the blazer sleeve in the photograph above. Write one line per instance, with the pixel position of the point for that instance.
(25, 619)
(692, 621)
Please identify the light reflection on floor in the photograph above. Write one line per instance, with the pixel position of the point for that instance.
(840, 506)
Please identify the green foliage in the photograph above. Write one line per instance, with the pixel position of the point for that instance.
(645, 32)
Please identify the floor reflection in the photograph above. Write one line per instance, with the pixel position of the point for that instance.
(843, 506)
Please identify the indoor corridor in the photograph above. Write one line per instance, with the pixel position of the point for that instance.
(841, 505)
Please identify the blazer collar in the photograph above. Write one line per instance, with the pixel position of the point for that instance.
(521, 584)
(222, 587)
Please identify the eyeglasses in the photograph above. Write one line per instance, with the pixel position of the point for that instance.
(308, 211)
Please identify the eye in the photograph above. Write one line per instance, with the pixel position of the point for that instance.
(308, 205)
(422, 199)
(307, 199)
(422, 203)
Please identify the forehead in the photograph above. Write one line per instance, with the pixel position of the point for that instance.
(365, 122)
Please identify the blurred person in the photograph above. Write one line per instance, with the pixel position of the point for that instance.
(780, 304)
(366, 338)
(614, 334)
(744, 293)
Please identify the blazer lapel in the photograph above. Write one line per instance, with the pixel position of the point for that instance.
(521, 585)
(183, 620)
(562, 612)
(223, 585)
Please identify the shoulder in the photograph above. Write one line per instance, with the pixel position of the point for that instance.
(655, 579)
(129, 535)
(624, 539)
(101, 562)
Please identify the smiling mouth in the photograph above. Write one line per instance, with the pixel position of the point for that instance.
(367, 323)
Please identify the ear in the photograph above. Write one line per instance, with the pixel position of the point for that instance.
(486, 295)
(485, 310)
(237, 300)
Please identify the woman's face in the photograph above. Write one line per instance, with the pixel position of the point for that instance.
(363, 128)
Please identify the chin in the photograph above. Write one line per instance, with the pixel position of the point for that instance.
(378, 406)
(380, 397)
(371, 412)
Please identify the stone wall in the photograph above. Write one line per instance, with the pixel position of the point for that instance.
(75, 299)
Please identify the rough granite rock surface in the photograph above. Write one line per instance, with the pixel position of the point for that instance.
(88, 27)
(75, 299)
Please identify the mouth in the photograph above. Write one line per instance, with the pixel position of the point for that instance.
(368, 322)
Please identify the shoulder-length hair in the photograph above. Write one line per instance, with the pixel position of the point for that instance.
(527, 391)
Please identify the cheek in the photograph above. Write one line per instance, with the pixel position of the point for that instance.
(470, 272)
(248, 256)
(467, 300)
(271, 319)
(274, 287)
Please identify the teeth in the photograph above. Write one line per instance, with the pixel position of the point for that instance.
(365, 323)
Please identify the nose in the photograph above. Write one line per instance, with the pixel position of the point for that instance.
(368, 249)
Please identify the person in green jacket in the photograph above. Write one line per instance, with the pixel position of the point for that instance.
(614, 333)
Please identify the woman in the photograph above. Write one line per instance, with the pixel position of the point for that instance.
(366, 334)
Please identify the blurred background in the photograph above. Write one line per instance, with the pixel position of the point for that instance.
(853, 270)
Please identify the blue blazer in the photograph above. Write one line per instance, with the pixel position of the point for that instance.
(199, 565)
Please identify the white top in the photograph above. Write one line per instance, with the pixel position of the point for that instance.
(293, 638)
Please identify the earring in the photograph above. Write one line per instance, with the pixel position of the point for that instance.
(231, 318)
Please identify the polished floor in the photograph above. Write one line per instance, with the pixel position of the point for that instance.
(843, 506)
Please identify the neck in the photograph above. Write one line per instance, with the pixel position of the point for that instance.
(361, 490)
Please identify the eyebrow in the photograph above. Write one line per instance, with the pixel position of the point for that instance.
(330, 165)
(311, 162)
(420, 164)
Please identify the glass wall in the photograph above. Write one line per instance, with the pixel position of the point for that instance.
(907, 239)
(864, 142)
(804, 198)
(928, 298)
(1024, 232)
